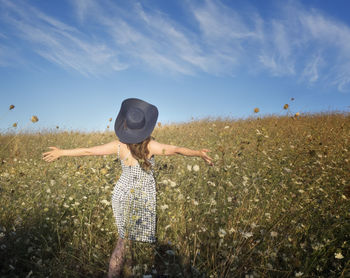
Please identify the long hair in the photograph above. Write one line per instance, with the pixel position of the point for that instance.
(140, 152)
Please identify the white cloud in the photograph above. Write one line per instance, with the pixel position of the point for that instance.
(303, 44)
(333, 38)
(311, 70)
(60, 43)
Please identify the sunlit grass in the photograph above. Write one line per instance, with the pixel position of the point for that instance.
(275, 204)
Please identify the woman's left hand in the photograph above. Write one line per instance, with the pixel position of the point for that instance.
(206, 158)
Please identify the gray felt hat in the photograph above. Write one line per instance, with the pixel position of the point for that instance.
(135, 121)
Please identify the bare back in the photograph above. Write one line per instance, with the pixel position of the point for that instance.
(126, 156)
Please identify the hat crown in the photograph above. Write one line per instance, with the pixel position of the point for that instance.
(135, 121)
(135, 118)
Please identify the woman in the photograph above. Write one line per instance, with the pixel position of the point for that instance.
(134, 195)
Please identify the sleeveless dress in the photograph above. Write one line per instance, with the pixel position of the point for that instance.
(134, 202)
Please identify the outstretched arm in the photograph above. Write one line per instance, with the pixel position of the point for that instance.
(156, 148)
(55, 153)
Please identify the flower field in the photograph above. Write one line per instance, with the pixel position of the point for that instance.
(276, 203)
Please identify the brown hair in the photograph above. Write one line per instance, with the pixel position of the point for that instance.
(140, 152)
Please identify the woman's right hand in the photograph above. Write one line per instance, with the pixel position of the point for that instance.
(52, 155)
(206, 158)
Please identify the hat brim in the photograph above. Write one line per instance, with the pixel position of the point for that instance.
(134, 136)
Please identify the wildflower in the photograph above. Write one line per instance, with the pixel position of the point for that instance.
(164, 207)
(226, 127)
(297, 114)
(159, 124)
(222, 232)
(48, 191)
(189, 168)
(108, 126)
(14, 125)
(104, 171)
(172, 183)
(12, 106)
(285, 107)
(110, 119)
(338, 256)
(165, 182)
(247, 235)
(274, 234)
(34, 119)
(195, 202)
(211, 183)
(229, 199)
(299, 274)
(256, 110)
(52, 182)
(105, 202)
(196, 168)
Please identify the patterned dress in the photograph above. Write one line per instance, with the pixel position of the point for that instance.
(134, 203)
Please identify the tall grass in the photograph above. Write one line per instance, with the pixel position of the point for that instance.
(275, 204)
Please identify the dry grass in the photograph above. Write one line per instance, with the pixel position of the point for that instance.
(276, 203)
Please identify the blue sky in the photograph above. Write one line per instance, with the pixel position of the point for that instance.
(71, 63)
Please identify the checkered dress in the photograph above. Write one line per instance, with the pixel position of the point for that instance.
(134, 203)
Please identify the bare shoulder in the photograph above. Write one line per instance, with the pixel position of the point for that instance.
(156, 148)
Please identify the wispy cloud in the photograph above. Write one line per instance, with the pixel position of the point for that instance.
(306, 45)
(58, 42)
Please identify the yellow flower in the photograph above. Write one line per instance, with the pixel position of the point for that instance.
(285, 106)
(14, 125)
(297, 114)
(12, 106)
(256, 110)
(104, 171)
(34, 119)
(338, 256)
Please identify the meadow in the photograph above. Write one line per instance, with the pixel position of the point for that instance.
(275, 203)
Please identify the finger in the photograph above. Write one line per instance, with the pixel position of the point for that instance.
(208, 157)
